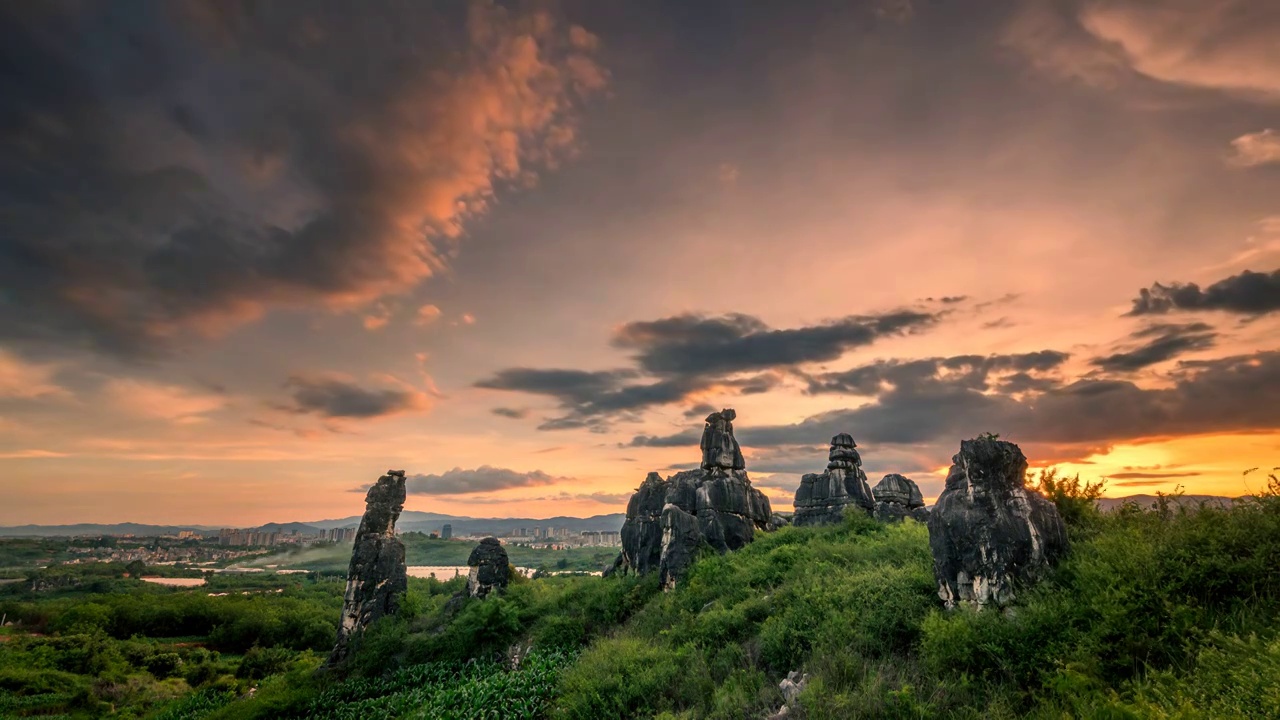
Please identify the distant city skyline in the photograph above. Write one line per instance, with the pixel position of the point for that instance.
(252, 260)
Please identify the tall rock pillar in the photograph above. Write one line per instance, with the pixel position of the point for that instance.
(376, 578)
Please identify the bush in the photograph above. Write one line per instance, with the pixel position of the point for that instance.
(261, 662)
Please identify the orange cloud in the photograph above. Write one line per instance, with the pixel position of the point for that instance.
(1227, 44)
(1256, 148)
(164, 402)
(27, 381)
(427, 314)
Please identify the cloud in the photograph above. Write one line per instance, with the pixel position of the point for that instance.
(165, 402)
(198, 164)
(1227, 46)
(1232, 394)
(590, 396)
(684, 356)
(26, 380)
(482, 479)
(513, 413)
(1249, 293)
(974, 372)
(1166, 343)
(426, 315)
(1256, 148)
(578, 386)
(336, 396)
(1149, 475)
(700, 411)
(687, 344)
(377, 319)
(30, 454)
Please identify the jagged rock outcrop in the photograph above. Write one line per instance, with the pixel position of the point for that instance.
(823, 497)
(990, 534)
(899, 497)
(791, 687)
(715, 505)
(376, 577)
(490, 569)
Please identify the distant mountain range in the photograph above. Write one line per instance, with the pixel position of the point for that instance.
(410, 520)
(413, 520)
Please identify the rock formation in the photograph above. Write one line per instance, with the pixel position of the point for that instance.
(989, 534)
(715, 505)
(791, 687)
(823, 497)
(376, 577)
(899, 497)
(490, 569)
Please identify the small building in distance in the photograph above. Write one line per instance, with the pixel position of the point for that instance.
(446, 532)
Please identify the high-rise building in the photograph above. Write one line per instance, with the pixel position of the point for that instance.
(446, 532)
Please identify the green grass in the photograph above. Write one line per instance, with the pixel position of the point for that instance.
(1171, 612)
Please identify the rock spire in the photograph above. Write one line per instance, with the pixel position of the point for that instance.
(376, 577)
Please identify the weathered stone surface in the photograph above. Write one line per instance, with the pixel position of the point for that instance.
(719, 448)
(642, 530)
(899, 497)
(990, 534)
(715, 505)
(376, 577)
(791, 687)
(822, 498)
(490, 569)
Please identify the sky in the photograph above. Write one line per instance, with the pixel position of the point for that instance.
(253, 255)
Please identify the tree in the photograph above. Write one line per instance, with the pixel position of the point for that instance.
(135, 569)
(1077, 500)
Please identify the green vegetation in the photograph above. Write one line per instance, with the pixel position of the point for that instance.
(1164, 612)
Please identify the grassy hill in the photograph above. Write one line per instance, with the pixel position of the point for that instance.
(1168, 611)
(1164, 612)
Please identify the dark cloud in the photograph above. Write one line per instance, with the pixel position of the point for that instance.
(1249, 293)
(699, 411)
(920, 406)
(336, 397)
(973, 372)
(684, 438)
(174, 169)
(577, 386)
(482, 479)
(1166, 342)
(682, 356)
(513, 413)
(697, 344)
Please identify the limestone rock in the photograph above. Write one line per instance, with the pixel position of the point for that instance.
(990, 534)
(376, 577)
(823, 497)
(899, 497)
(490, 569)
(791, 687)
(719, 448)
(715, 505)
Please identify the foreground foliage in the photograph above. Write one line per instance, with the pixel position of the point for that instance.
(1168, 611)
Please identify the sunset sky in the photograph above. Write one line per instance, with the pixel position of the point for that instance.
(253, 255)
